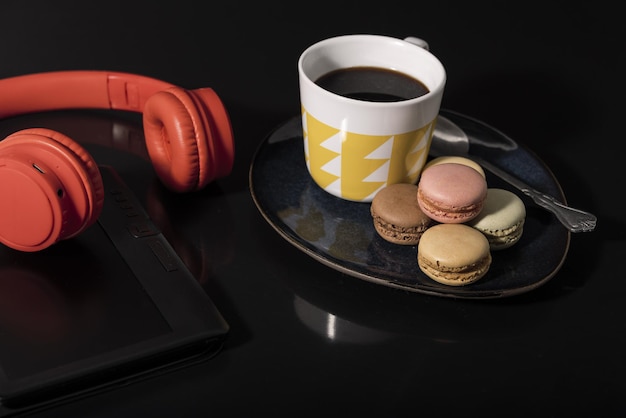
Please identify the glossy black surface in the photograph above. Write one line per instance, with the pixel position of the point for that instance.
(340, 233)
(306, 340)
(99, 311)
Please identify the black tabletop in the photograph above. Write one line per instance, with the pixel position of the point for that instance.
(306, 339)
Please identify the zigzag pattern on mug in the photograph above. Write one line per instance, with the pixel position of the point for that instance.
(369, 166)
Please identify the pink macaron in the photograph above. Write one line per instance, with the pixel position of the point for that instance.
(451, 192)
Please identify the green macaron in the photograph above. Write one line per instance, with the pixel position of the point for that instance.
(502, 218)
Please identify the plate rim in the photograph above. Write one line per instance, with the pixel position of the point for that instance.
(327, 260)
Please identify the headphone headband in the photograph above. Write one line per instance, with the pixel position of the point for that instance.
(51, 187)
(60, 90)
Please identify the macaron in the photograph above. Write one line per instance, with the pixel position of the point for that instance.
(456, 159)
(451, 192)
(396, 215)
(501, 219)
(454, 254)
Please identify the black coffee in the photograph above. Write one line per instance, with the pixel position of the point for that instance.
(372, 84)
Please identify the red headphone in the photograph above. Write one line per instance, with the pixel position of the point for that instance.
(50, 186)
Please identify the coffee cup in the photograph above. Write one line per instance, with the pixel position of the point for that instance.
(369, 106)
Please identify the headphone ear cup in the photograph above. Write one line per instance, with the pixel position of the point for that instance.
(51, 189)
(188, 137)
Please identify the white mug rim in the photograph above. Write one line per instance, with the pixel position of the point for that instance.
(434, 89)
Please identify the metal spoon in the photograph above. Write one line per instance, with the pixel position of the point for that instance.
(450, 139)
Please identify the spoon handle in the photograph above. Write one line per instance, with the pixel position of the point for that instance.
(573, 219)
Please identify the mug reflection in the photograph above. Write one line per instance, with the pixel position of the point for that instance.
(335, 328)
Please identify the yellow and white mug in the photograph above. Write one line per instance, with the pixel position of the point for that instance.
(354, 147)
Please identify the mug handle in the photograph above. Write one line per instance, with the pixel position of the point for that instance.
(417, 41)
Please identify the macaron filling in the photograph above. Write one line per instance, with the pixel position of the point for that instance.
(446, 213)
(455, 275)
(397, 233)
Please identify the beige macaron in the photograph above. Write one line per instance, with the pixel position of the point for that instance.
(455, 159)
(453, 254)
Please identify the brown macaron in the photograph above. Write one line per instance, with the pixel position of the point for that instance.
(396, 215)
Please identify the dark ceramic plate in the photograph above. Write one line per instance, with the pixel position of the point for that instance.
(340, 234)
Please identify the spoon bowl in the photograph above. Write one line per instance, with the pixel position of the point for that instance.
(448, 139)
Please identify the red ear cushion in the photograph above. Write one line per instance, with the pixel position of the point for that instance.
(177, 140)
(84, 163)
(217, 121)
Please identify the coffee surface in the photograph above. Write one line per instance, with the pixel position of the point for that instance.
(372, 84)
